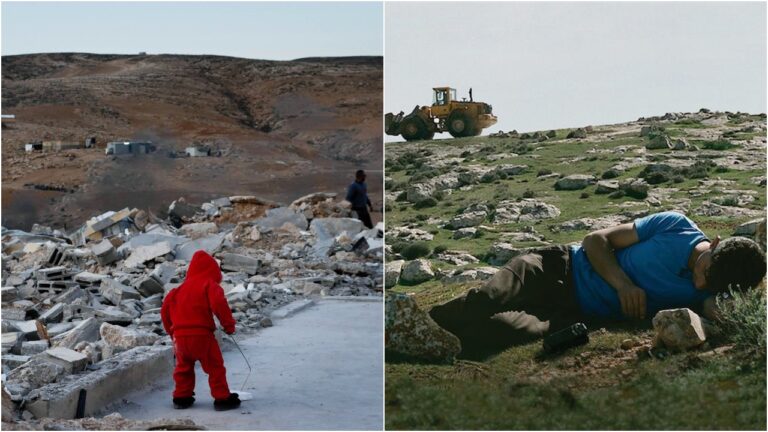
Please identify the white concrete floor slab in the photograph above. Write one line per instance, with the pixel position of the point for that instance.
(321, 368)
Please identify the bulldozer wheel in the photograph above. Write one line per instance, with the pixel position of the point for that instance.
(413, 129)
(428, 135)
(460, 125)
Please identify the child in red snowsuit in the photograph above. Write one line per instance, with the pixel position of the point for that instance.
(187, 315)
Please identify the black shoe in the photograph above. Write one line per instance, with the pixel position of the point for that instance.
(232, 402)
(183, 403)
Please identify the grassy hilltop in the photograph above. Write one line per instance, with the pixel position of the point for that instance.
(467, 204)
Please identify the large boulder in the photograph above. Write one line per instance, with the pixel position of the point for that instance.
(660, 141)
(634, 187)
(678, 329)
(392, 273)
(410, 331)
(419, 192)
(468, 219)
(525, 210)
(417, 271)
(575, 182)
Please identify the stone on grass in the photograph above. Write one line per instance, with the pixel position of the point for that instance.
(410, 331)
(392, 273)
(575, 182)
(417, 271)
(678, 329)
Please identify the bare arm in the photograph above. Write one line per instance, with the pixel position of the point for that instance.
(599, 247)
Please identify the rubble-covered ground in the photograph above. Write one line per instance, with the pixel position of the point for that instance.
(457, 209)
(81, 309)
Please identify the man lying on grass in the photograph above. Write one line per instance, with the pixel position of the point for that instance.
(630, 271)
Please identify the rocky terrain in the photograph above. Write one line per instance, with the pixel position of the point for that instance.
(458, 209)
(281, 130)
(80, 310)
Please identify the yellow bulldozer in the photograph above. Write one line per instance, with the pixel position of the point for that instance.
(460, 118)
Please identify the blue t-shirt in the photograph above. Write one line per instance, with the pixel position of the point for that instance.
(657, 263)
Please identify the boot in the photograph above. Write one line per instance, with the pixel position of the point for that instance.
(232, 402)
(183, 403)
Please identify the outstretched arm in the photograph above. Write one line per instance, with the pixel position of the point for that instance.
(220, 307)
(599, 247)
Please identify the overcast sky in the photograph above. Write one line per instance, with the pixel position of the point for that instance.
(262, 30)
(557, 65)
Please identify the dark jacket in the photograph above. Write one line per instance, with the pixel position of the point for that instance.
(357, 194)
(188, 309)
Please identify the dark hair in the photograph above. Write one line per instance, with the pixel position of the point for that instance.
(737, 263)
(359, 173)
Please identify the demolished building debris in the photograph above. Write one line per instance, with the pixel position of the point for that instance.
(81, 310)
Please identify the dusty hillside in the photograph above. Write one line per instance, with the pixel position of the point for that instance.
(284, 129)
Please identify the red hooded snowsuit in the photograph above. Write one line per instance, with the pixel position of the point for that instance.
(187, 315)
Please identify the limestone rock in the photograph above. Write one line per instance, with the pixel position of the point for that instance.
(392, 273)
(575, 182)
(461, 233)
(678, 329)
(468, 219)
(417, 271)
(410, 331)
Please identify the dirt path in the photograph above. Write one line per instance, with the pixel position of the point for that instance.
(320, 369)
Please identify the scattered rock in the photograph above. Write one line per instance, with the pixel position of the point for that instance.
(678, 329)
(417, 271)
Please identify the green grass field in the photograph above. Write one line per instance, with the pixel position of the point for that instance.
(597, 386)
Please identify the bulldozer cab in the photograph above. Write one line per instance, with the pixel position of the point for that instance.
(441, 101)
(443, 96)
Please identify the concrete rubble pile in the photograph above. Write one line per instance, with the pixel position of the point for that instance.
(81, 310)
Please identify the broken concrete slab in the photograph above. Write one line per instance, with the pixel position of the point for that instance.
(71, 360)
(105, 252)
(9, 293)
(11, 342)
(240, 263)
(53, 315)
(277, 217)
(118, 376)
(115, 292)
(199, 229)
(148, 286)
(87, 330)
(87, 279)
(125, 338)
(27, 328)
(12, 361)
(32, 375)
(330, 228)
(210, 244)
(33, 347)
(142, 254)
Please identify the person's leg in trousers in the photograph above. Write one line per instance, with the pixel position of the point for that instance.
(364, 216)
(501, 331)
(213, 364)
(184, 373)
(502, 311)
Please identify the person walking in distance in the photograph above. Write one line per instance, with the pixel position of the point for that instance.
(357, 195)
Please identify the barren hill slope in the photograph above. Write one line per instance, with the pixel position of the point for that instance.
(285, 128)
